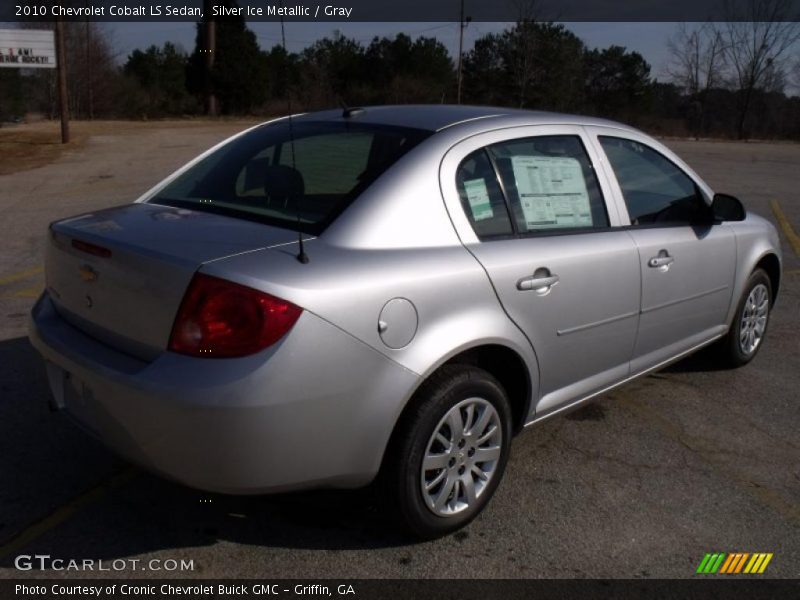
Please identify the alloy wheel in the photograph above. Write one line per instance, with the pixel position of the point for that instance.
(754, 319)
(461, 457)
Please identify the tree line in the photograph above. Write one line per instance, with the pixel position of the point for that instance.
(724, 80)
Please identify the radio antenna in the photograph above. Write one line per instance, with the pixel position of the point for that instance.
(301, 253)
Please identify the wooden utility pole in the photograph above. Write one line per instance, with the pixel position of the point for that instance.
(89, 74)
(209, 49)
(462, 24)
(61, 60)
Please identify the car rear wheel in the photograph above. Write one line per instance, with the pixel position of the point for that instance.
(450, 450)
(749, 325)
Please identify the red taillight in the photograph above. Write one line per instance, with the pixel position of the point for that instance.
(218, 318)
(91, 248)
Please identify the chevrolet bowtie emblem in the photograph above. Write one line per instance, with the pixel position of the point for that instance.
(88, 273)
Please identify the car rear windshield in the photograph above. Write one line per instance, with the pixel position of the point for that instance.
(298, 175)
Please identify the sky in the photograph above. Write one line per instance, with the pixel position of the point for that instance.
(649, 39)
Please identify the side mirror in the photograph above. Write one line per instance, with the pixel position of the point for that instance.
(727, 208)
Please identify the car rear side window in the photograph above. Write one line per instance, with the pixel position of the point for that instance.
(332, 163)
(655, 190)
(482, 197)
(297, 176)
(550, 184)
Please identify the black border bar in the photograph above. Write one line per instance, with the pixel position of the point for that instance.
(723, 588)
(409, 10)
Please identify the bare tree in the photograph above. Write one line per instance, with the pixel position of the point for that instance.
(92, 70)
(758, 36)
(697, 58)
(697, 64)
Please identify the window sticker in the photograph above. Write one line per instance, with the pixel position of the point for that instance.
(478, 197)
(552, 192)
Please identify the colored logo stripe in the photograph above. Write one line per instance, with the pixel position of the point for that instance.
(703, 563)
(711, 562)
(733, 563)
(761, 563)
(738, 562)
(727, 564)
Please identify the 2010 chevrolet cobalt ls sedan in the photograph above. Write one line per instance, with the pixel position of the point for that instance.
(393, 290)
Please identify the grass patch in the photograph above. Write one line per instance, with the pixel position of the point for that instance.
(23, 148)
(31, 145)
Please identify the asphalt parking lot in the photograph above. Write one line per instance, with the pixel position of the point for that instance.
(643, 483)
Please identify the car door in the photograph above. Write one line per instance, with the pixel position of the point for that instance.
(538, 222)
(687, 261)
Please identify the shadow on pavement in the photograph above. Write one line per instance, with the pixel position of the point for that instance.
(703, 361)
(47, 462)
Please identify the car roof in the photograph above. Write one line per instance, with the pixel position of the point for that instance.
(436, 117)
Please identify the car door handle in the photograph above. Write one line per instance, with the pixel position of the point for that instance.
(537, 283)
(662, 260)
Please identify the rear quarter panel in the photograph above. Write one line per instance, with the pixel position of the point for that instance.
(456, 306)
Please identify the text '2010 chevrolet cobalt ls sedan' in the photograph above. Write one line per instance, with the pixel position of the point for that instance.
(394, 290)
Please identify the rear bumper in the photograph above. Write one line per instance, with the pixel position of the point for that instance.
(314, 410)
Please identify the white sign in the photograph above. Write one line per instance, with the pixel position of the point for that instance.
(552, 192)
(27, 48)
(478, 197)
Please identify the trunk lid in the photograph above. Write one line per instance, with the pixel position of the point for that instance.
(120, 274)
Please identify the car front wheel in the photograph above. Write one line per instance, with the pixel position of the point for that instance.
(749, 326)
(450, 450)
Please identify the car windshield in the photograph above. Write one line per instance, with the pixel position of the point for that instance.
(298, 175)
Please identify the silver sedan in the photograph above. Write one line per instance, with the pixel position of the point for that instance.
(391, 291)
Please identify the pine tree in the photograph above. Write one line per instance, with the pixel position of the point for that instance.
(239, 78)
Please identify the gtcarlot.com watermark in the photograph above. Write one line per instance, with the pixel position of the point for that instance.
(44, 562)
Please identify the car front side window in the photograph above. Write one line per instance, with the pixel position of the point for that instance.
(655, 190)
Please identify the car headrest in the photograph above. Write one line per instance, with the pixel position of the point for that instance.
(282, 182)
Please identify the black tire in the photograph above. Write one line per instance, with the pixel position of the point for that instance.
(447, 388)
(731, 348)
